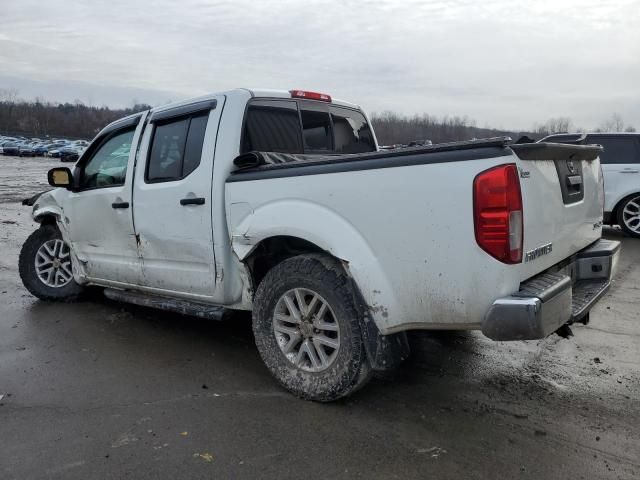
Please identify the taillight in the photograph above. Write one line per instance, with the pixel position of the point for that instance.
(497, 213)
(310, 95)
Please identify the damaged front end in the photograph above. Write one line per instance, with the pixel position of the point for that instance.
(30, 202)
(47, 209)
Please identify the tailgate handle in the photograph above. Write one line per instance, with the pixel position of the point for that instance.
(574, 180)
(192, 201)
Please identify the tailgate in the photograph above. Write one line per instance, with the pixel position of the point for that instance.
(562, 201)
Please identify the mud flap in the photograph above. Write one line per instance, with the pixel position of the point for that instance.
(385, 352)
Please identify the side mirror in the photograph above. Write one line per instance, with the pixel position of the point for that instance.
(60, 177)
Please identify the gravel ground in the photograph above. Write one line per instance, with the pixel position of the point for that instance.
(103, 390)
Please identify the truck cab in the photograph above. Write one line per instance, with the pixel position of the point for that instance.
(151, 171)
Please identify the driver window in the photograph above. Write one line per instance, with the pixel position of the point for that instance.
(108, 165)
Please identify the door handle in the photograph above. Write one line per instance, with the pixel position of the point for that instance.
(192, 201)
(629, 170)
(120, 205)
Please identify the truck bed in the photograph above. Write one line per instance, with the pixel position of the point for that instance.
(403, 221)
(253, 162)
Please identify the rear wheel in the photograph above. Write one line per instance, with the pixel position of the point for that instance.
(629, 215)
(45, 266)
(307, 328)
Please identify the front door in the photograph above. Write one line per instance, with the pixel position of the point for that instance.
(98, 214)
(172, 201)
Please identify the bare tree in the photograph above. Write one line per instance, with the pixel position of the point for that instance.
(555, 125)
(392, 128)
(615, 123)
(9, 95)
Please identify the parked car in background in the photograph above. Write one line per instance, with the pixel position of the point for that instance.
(620, 162)
(69, 154)
(26, 150)
(40, 150)
(4, 140)
(11, 148)
(44, 147)
(55, 152)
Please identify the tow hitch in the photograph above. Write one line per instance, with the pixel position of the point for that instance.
(565, 330)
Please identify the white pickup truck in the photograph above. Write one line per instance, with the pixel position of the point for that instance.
(279, 202)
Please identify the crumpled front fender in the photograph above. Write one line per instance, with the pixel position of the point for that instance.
(46, 205)
(50, 205)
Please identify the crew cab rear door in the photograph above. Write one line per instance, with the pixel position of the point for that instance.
(172, 200)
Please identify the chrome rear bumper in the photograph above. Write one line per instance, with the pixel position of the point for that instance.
(548, 301)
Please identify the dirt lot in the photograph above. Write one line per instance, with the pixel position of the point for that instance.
(103, 390)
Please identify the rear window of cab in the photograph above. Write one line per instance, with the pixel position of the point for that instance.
(304, 127)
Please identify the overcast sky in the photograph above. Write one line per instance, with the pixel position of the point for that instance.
(506, 64)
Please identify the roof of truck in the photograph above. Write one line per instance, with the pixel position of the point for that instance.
(254, 92)
(265, 92)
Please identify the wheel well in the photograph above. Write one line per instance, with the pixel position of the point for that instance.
(271, 251)
(46, 220)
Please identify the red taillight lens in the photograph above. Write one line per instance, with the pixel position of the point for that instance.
(497, 213)
(310, 95)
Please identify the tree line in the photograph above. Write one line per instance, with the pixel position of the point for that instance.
(39, 118)
(392, 128)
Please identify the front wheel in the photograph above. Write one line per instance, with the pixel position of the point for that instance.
(45, 266)
(629, 215)
(306, 324)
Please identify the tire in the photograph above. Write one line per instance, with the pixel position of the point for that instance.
(66, 290)
(346, 368)
(629, 222)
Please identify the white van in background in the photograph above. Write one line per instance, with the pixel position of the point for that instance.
(621, 168)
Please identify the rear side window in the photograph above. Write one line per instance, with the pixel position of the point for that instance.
(316, 129)
(176, 148)
(193, 147)
(272, 126)
(617, 149)
(351, 131)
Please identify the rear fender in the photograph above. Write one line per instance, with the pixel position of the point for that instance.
(330, 232)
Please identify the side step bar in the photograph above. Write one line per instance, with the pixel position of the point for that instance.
(184, 307)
